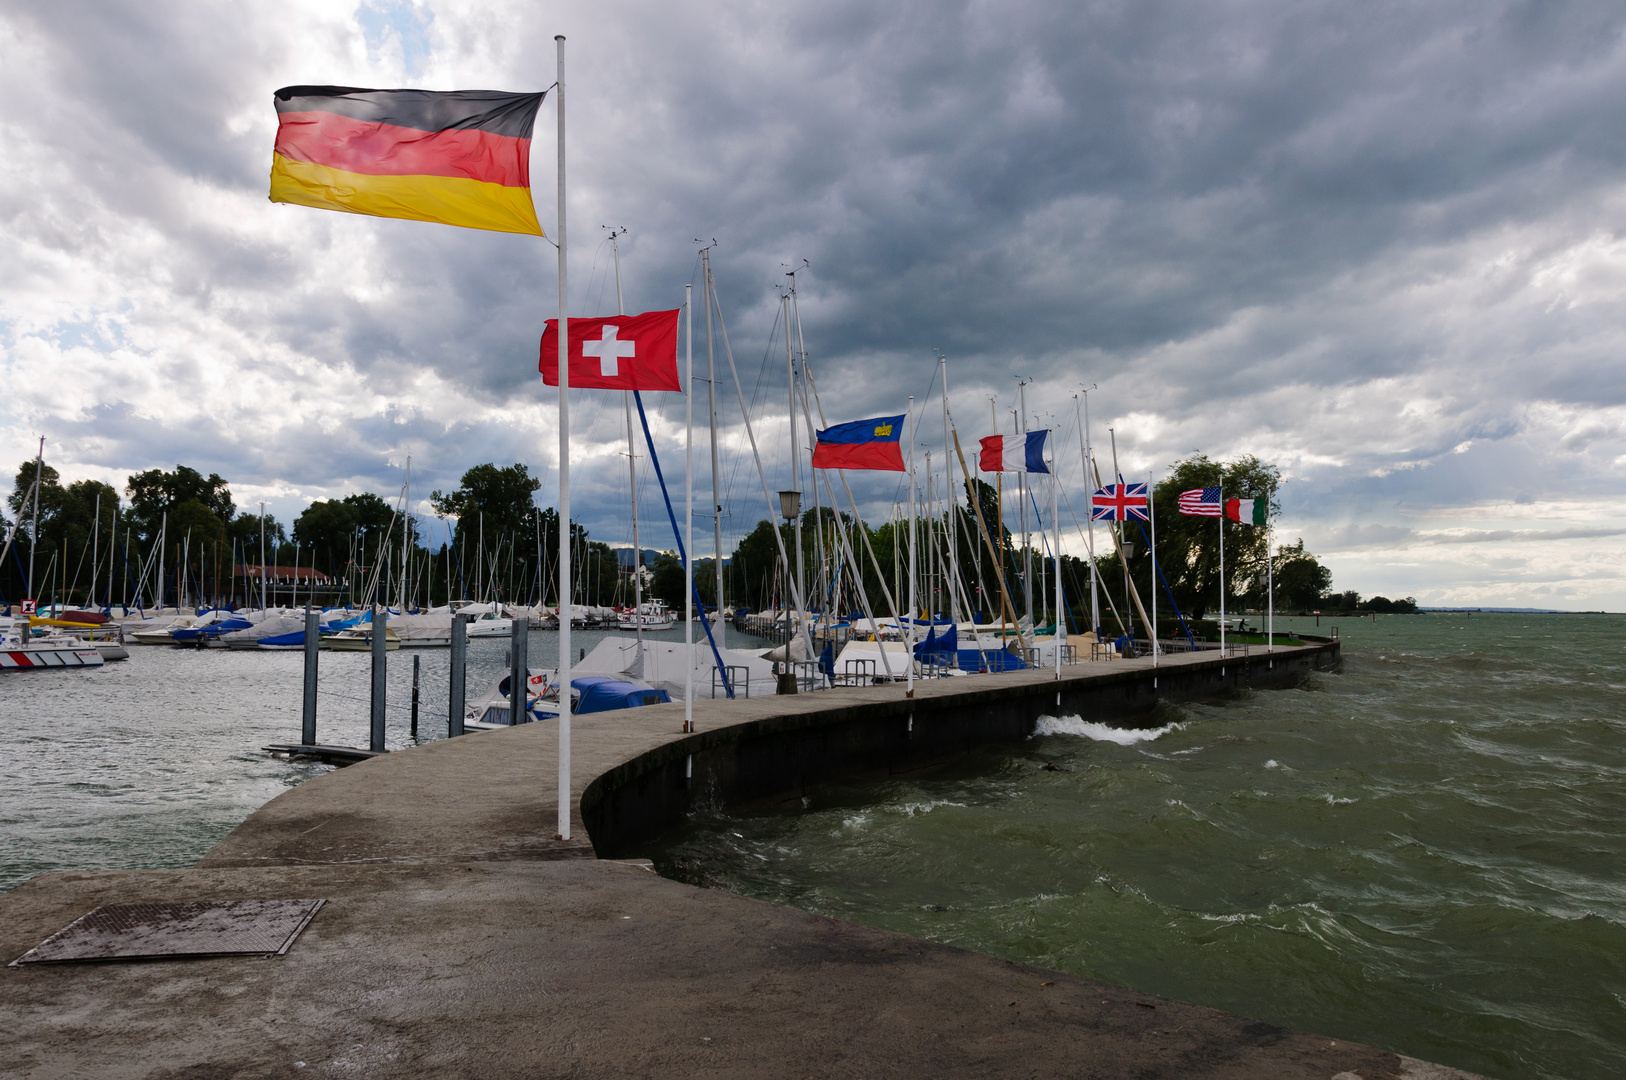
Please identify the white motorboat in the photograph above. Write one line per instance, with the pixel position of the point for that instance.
(20, 652)
(486, 621)
(650, 615)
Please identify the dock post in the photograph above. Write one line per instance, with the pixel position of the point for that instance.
(313, 637)
(457, 689)
(380, 625)
(415, 659)
(519, 674)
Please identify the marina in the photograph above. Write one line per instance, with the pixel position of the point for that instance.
(1066, 541)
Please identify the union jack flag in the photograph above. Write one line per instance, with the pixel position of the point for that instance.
(1120, 502)
(1201, 502)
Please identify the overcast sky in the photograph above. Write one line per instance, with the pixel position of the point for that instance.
(1378, 244)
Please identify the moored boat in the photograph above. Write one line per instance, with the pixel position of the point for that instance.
(20, 653)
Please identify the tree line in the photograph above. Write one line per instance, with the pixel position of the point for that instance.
(95, 545)
(492, 542)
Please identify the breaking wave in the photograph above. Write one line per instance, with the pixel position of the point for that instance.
(1089, 729)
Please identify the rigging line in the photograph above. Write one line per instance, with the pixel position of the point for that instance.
(756, 390)
(779, 539)
(594, 273)
(1067, 500)
(683, 555)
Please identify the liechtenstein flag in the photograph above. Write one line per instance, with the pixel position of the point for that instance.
(1014, 453)
(861, 444)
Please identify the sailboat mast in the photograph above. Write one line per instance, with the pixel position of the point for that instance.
(910, 635)
(1022, 497)
(716, 469)
(801, 350)
(795, 478)
(34, 529)
(262, 557)
(406, 535)
(1089, 513)
(632, 465)
(96, 554)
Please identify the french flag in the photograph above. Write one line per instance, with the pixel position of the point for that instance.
(1014, 453)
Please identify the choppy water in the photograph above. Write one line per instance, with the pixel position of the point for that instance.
(146, 763)
(1424, 851)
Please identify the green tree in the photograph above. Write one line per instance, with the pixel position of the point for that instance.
(666, 579)
(51, 496)
(325, 528)
(502, 497)
(244, 529)
(1300, 579)
(1188, 547)
(154, 493)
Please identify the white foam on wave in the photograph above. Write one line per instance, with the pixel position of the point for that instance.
(914, 808)
(1089, 729)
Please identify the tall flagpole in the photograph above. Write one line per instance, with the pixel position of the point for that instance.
(1151, 512)
(1055, 545)
(1222, 578)
(564, 481)
(1270, 591)
(1089, 520)
(910, 636)
(688, 510)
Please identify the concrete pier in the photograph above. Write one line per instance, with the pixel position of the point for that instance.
(461, 939)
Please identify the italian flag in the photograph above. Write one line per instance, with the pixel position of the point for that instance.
(1247, 511)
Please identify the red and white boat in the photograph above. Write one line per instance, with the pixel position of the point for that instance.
(19, 652)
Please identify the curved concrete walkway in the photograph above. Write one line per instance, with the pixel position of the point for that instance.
(461, 939)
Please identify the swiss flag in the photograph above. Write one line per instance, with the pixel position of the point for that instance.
(618, 352)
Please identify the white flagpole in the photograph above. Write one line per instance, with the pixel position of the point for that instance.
(688, 510)
(1270, 592)
(1086, 452)
(1151, 512)
(909, 636)
(1060, 634)
(1222, 578)
(564, 481)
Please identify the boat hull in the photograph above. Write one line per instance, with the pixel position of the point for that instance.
(38, 659)
(337, 644)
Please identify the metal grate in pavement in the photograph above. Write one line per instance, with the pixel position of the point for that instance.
(188, 928)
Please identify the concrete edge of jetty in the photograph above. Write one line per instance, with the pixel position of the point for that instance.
(460, 938)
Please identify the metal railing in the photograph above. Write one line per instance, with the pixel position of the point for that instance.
(858, 673)
(808, 676)
(738, 677)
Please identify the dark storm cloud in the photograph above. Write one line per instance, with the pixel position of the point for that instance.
(1330, 229)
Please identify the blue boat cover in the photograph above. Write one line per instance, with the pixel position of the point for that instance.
(601, 693)
(990, 660)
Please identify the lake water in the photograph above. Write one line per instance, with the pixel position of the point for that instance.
(1425, 851)
(146, 763)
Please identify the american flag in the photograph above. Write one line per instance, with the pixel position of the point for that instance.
(1201, 502)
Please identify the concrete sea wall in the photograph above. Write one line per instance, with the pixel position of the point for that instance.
(779, 748)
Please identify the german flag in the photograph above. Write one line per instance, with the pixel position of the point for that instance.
(458, 157)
